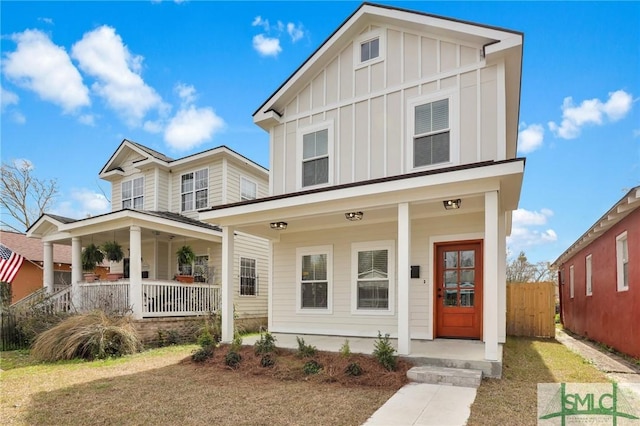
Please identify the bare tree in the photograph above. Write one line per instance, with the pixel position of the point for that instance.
(23, 195)
(520, 270)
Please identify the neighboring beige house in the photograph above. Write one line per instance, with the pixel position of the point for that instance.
(155, 201)
(393, 178)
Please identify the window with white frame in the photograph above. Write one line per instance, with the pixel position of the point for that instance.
(248, 277)
(431, 133)
(622, 262)
(314, 274)
(194, 190)
(372, 266)
(571, 282)
(315, 158)
(369, 48)
(248, 189)
(588, 275)
(133, 194)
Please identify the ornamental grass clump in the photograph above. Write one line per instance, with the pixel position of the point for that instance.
(88, 336)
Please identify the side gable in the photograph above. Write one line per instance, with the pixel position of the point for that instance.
(130, 154)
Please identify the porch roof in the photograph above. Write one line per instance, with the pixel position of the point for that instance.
(115, 225)
(378, 198)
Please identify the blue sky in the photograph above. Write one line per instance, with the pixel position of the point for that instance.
(181, 77)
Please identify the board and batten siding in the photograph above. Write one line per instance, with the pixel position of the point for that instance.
(341, 321)
(368, 107)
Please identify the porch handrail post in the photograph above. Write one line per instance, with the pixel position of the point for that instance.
(404, 266)
(135, 271)
(490, 279)
(47, 266)
(227, 283)
(76, 272)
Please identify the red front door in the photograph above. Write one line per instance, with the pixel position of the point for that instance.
(459, 290)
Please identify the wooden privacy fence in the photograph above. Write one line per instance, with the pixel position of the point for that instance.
(531, 309)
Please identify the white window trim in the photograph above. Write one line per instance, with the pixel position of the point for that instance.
(380, 34)
(306, 251)
(244, 178)
(588, 272)
(132, 196)
(571, 282)
(193, 191)
(454, 139)
(240, 276)
(299, 152)
(620, 261)
(388, 245)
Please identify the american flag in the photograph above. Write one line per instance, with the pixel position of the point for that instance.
(10, 263)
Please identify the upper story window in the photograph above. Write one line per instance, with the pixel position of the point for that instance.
(589, 275)
(315, 155)
(571, 282)
(133, 194)
(248, 189)
(431, 128)
(622, 262)
(369, 48)
(194, 190)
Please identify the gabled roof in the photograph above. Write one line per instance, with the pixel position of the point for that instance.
(627, 204)
(492, 39)
(31, 249)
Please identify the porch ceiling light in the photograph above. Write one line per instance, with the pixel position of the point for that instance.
(279, 226)
(353, 216)
(452, 204)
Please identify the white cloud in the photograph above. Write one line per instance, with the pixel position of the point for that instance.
(102, 54)
(87, 119)
(295, 32)
(81, 203)
(259, 22)
(46, 69)
(8, 98)
(186, 92)
(266, 46)
(528, 229)
(46, 20)
(530, 138)
(191, 127)
(23, 164)
(591, 111)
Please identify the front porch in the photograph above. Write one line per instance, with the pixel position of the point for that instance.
(452, 353)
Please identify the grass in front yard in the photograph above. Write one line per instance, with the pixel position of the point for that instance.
(159, 387)
(512, 400)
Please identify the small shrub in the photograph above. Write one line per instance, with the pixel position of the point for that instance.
(311, 367)
(202, 354)
(345, 350)
(267, 360)
(205, 339)
(232, 359)
(304, 350)
(173, 337)
(384, 352)
(353, 369)
(266, 344)
(236, 343)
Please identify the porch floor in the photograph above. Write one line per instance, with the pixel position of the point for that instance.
(454, 353)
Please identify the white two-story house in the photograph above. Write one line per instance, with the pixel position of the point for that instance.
(393, 178)
(155, 201)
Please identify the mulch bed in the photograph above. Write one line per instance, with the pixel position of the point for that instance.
(289, 366)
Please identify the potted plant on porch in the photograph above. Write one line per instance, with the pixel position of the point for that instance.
(113, 252)
(92, 256)
(186, 257)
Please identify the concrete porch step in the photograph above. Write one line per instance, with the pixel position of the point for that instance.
(445, 376)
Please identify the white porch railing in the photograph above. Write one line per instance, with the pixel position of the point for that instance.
(159, 298)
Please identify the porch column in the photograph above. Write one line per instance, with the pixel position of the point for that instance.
(76, 271)
(502, 278)
(404, 266)
(490, 279)
(135, 271)
(47, 266)
(227, 284)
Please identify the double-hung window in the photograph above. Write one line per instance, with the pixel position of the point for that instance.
(314, 272)
(248, 277)
(133, 194)
(248, 189)
(373, 272)
(194, 190)
(431, 133)
(315, 158)
(622, 262)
